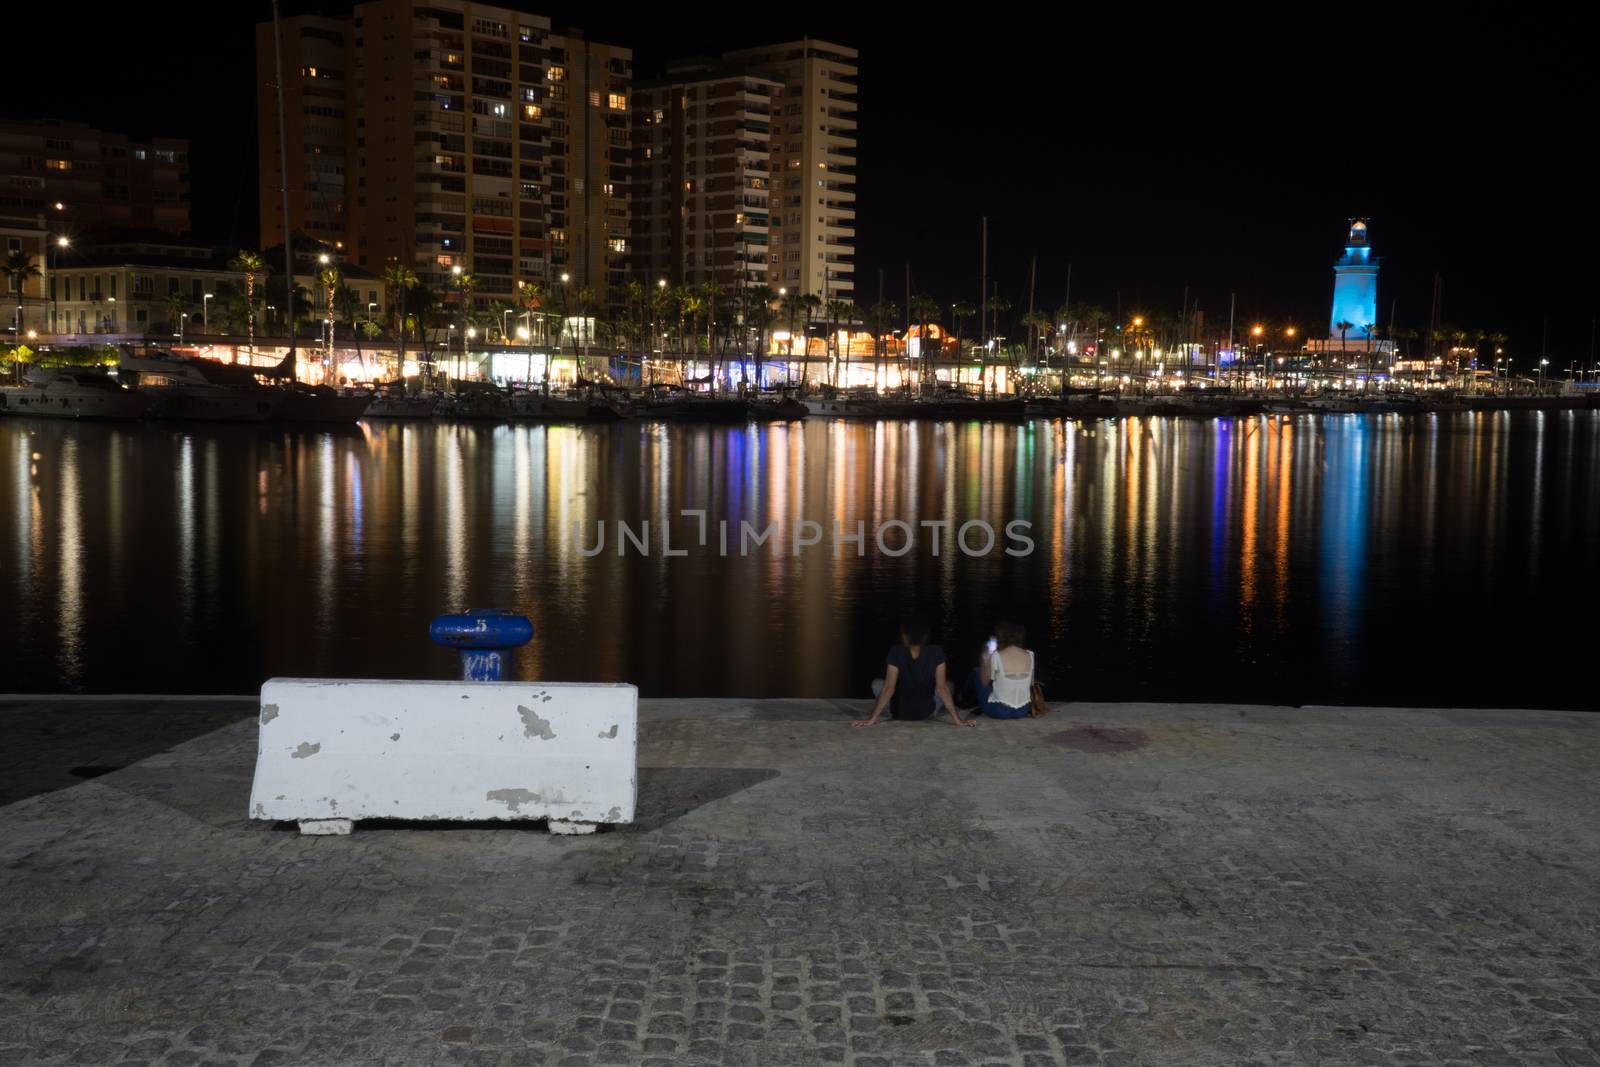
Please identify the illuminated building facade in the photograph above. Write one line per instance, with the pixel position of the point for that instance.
(82, 179)
(1355, 288)
(813, 165)
(468, 138)
(702, 174)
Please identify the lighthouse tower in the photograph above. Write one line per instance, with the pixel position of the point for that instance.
(1355, 288)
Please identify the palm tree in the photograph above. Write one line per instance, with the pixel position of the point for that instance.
(1343, 327)
(811, 304)
(791, 308)
(19, 268)
(177, 308)
(396, 280)
(881, 318)
(583, 303)
(839, 312)
(1404, 333)
(998, 305)
(348, 303)
(530, 298)
(759, 313)
(250, 264)
(959, 313)
(1458, 338)
(925, 312)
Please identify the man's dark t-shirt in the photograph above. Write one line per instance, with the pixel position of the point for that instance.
(914, 687)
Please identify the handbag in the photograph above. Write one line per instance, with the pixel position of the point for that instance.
(1037, 708)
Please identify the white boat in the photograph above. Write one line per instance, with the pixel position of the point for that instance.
(72, 393)
(395, 405)
(1334, 405)
(186, 388)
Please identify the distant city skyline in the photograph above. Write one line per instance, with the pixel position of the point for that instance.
(1213, 158)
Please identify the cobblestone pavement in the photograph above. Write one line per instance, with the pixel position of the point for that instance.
(1112, 884)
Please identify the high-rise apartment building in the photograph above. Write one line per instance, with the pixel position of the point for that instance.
(475, 138)
(702, 149)
(744, 170)
(813, 161)
(82, 179)
(317, 60)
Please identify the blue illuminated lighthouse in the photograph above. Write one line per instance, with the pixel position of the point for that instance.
(1355, 287)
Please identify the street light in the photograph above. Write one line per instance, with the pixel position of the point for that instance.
(60, 242)
(205, 310)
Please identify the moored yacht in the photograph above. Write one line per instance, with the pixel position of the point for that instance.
(183, 387)
(72, 393)
(395, 403)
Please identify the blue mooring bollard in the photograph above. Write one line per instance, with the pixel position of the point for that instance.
(484, 638)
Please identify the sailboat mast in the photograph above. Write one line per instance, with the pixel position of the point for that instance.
(983, 288)
(283, 161)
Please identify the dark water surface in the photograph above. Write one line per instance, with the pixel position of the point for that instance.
(1440, 560)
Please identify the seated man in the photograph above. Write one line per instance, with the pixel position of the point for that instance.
(914, 684)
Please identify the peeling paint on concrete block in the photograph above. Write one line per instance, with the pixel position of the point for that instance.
(443, 750)
(515, 798)
(268, 713)
(533, 726)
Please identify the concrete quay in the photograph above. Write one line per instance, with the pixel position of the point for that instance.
(1111, 884)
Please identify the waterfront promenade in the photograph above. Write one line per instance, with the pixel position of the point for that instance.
(1112, 884)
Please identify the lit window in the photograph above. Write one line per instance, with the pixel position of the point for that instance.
(531, 111)
(618, 101)
(557, 73)
(594, 97)
(616, 244)
(58, 164)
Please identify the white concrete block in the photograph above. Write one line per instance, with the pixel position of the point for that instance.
(350, 750)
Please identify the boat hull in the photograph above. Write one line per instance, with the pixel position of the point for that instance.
(410, 407)
(321, 407)
(213, 405)
(26, 402)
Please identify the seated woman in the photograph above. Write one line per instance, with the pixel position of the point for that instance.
(913, 686)
(1004, 677)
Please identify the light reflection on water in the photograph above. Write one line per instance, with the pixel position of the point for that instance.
(1344, 559)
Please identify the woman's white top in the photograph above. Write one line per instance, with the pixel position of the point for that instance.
(1014, 690)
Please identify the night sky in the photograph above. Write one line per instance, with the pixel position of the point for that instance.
(1218, 149)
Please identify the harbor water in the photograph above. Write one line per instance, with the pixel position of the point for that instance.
(1445, 559)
